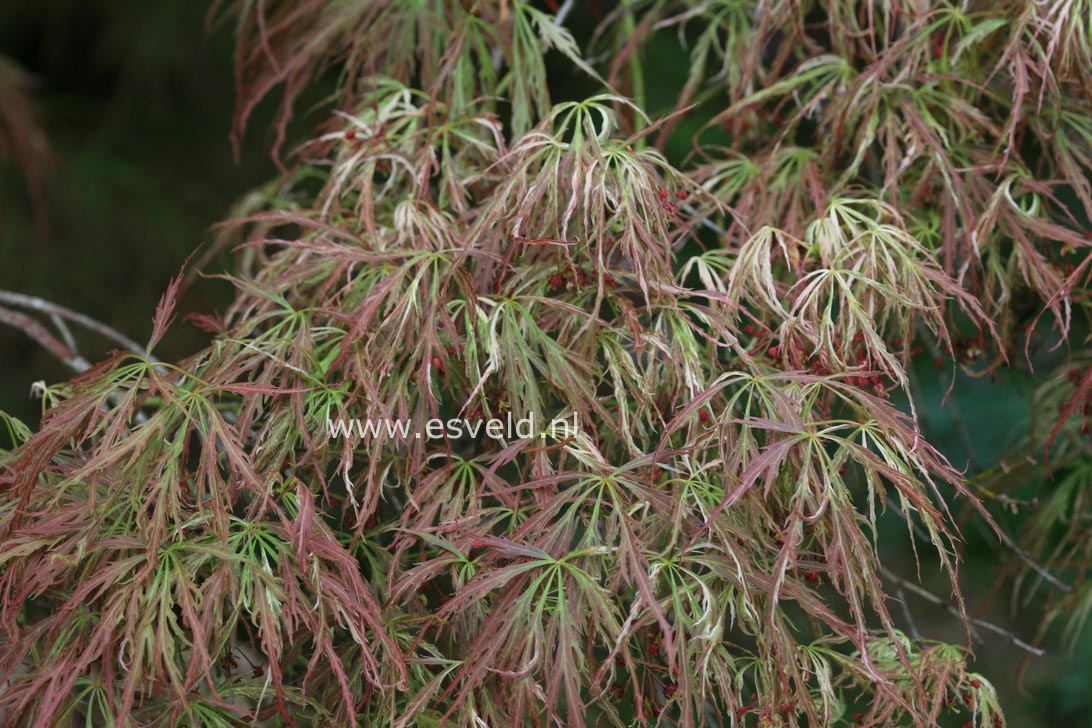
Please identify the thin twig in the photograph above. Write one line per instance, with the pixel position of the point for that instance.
(1006, 539)
(65, 350)
(44, 337)
(66, 334)
(952, 609)
(900, 595)
(563, 12)
(52, 309)
(559, 21)
(912, 523)
(949, 403)
(1025, 557)
(704, 221)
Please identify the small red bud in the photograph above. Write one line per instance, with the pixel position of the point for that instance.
(774, 351)
(437, 364)
(351, 134)
(681, 194)
(703, 415)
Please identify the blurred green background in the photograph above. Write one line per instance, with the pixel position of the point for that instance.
(136, 99)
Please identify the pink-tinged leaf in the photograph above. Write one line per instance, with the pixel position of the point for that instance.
(256, 388)
(164, 311)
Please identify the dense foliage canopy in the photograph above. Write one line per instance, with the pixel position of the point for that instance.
(869, 185)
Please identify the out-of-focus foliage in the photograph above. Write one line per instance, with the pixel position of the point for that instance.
(747, 329)
(21, 136)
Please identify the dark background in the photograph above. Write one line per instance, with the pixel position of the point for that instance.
(136, 98)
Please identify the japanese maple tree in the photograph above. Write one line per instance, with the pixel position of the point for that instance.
(735, 332)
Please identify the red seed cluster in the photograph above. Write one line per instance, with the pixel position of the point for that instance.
(667, 203)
